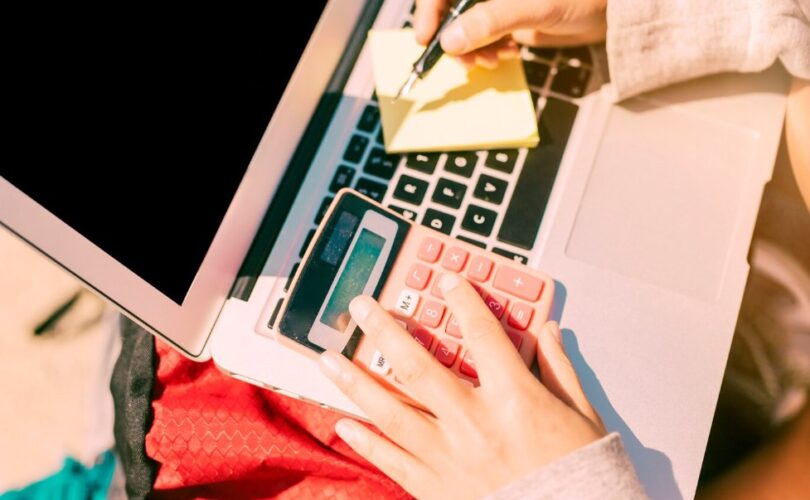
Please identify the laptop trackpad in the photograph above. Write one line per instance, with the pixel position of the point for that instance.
(662, 199)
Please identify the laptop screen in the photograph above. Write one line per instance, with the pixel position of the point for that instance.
(135, 128)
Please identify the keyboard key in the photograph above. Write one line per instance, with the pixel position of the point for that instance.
(322, 209)
(446, 352)
(502, 159)
(449, 193)
(410, 189)
(479, 220)
(343, 178)
(406, 303)
(581, 54)
(467, 366)
(381, 137)
(291, 276)
(423, 162)
(520, 259)
(570, 80)
(453, 328)
(439, 221)
(430, 249)
(357, 146)
(381, 164)
(517, 283)
(515, 338)
(373, 190)
(418, 276)
(472, 241)
(544, 52)
(454, 259)
(369, 119)
(520, 315)
(305, 246)
(274, 314)
(536, 73)
(490, 189)
(461, 163)
(528, 203)
(480, 268)
(432, 314)
(424, 337)
(408, 214)
(497, 303)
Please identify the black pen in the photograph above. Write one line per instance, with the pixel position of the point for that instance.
(433, 51)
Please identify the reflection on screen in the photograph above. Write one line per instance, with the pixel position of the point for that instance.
(352, 281)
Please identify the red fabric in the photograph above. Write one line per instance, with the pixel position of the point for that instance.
(217, 437)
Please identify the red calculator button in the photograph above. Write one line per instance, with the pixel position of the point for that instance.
(497, 304)
(435, 290)
(467, 366)
(516, 339)
(511, 280)
(418, 276)
(446, 352)
(432, 314)
(430, 249)
(453, 328)
(479, 269)
(454, 259)
(520, 315)
(424, 337)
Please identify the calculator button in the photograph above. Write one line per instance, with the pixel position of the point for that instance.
(479, 269)
(520, 316)
(461, 163)
(454, 259)
(446, 352)
(432, 314)
(322, 209)
(381, 164)
(373, 190)
(515, 338)
(418, 276)
(449, 193)
(467, 366)
(430, 249)
(356, 148)
(410, 189)
(503, 160)
(439, 221)
(472, 241)
(518, 283)
(408, 214)
(490, 189)
(424, 337)
(516, 257)
(497, 304)
(453, 328)
(343, 178)
(379, 364)
(369, 118)
(479, 220)
(406, 303)
(422, 162)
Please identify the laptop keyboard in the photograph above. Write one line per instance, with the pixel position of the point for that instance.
(492, 199)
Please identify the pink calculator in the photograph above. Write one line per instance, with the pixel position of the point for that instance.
(362, 248)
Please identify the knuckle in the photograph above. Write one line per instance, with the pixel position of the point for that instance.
(483, 325)
(412, 370)
(391, 422)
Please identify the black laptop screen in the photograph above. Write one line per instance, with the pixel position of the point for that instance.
(136, 127)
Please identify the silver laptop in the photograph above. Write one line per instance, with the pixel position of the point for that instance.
(643, 212)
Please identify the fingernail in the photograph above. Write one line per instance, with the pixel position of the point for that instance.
(360, 308)
(555, 331)
(346, 431)
(448, 282)
(329, 365)
(453, 39)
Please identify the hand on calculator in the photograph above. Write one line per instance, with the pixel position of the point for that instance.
(473, 440)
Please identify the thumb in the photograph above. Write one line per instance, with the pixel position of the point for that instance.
(558, 375)
(486, 22)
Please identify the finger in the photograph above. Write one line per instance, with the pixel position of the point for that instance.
(487, 58)
(426, 19)
(495, 356)
(536, 38)
(407, 470)
(487, 22)
(400, 422)
(558, 375)
(425, 379)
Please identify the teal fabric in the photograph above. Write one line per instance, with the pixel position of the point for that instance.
(73, 482)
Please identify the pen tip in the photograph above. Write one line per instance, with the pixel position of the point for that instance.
(406, 87)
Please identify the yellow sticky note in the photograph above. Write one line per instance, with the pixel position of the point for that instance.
(452, 108)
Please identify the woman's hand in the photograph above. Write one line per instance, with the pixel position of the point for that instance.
(477, 35)
(474, 440)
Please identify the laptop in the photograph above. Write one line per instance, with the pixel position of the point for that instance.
(178, 165)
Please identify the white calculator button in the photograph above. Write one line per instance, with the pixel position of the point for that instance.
(406, 303)
(379, 364)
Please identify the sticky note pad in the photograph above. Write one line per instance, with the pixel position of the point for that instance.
(452, 108)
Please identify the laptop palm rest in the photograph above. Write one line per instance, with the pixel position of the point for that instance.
(656, 211)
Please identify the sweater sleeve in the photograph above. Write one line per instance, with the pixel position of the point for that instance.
(653, 43)
(600, 470)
